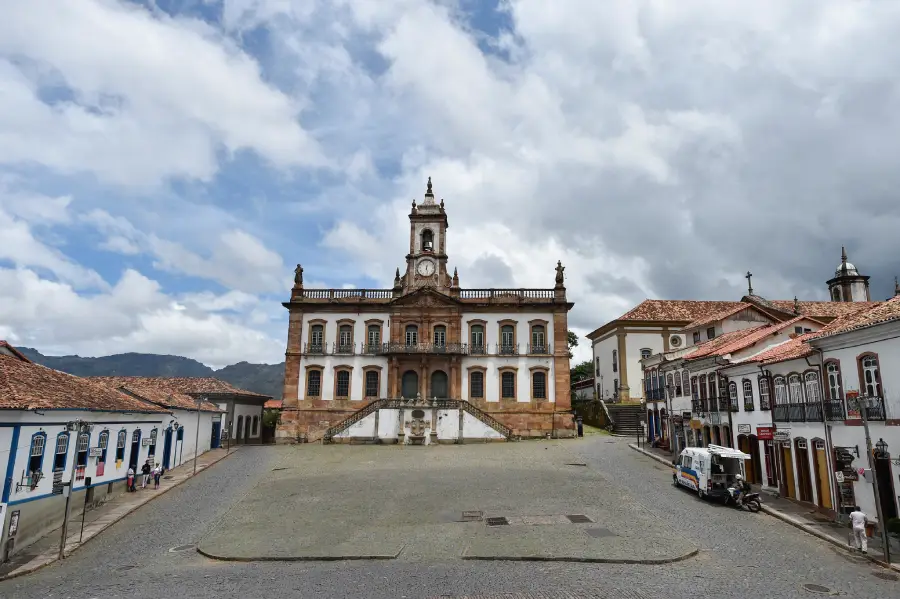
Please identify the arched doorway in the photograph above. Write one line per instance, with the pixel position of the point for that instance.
(787, 471)
(650, 425)
(716, 437)
(707, 436)
(884, 474)
(409, 384)
(439, 387)
(804, 486)
(823, 481)
(755, 461)
(247, 430)
(726, 436)
(743, 444)
(239, 430)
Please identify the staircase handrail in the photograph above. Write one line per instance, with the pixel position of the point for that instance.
(486, 418)
(610, 423)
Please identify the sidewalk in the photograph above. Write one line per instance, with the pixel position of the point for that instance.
(46, 550)
(803, 517)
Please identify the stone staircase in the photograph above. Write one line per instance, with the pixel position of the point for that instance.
(442, 404)
(626, 418)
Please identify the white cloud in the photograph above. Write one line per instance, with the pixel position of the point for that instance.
(150, 97)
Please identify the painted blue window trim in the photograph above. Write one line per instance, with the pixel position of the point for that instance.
(65, 454)
(103, 443)
(43, 450)
(151, 449)
(123, 436)
(87, 450)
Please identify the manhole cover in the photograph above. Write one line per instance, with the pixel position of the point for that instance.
(886, 576)
(578, 519)
(124, 568)
(472, 516)
(600, 533)
(501, 521)
(816, 588)
(575, 464)
(180, 548)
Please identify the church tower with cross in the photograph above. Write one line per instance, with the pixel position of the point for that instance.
(848, 285)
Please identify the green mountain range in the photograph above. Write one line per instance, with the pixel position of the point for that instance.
(261, 378)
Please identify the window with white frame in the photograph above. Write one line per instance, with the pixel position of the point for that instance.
(151, 449)
(711, 384)
(763, 393)
(871, 382)
(732, 395)
(440, 335)
(477, 338)
(102, 443)
(412, 334)
(62, 450)
(811, 382)
(36, 453)
(120, 445)
(833, 372)
(795, 389)
(374, 335)
(780, 391)
(81, 449)
(748, 394)
(646, 353)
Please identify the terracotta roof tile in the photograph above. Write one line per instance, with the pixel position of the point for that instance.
(676, 310)
(824, 309)
(12, 350)
(28, 386)
(155, 395)
(790, 350)
(720, 315)
(273, 404)
(879, 313)
(751, 336)
(185, 385)
(714, 346)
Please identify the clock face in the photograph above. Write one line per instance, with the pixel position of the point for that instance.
(425, 268)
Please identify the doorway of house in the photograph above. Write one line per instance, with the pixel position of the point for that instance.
(409, 386)
(167, 450)
(803, 478)
(439, 384)
(787, 471)
(885, 485)
(239, 430)
(135, 450)
(823, 480)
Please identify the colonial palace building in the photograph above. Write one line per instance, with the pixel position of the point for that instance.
(426, 361)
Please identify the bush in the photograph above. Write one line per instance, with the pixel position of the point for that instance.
(893, 526)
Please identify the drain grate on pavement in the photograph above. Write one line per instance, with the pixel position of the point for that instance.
(499, 521)
(579, 519)
(600, 533)
(816, 588)
(472, 516)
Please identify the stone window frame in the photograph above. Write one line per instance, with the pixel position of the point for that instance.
(338, 368)
(515, 373)
(313, 323)
(371, 323)
(366, 370)
(484, 325)
(406, 327)
(546, 371)
(321, 370)
(539, 322)
(343, 322)
(434, 327)
(483, 371)
(505, 323)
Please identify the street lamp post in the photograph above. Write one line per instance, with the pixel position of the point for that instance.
(197, 435)
(78, 427)
(673, 438)
(862, 406)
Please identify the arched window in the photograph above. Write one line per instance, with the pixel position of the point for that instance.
(539, 385)
(313, 383)
(508, 385)
(712, 385)
(748, 395)
(733, 396)
(412, 334)
(685, 383)
(835, 386)
(476, 332)
(342, 384)
(670, 384)
(151, 449)
(702, 386)
(136, 436)
(62, 450)
(255, 427)
(36, 453)
(597, 366)
(102, 443)
(538, 339)
(317, 339)
(345, 339)
(763, 393)
(440, 335)
(373, 336)
(871, 377)
(794, 388)
(694, 392)
(372, 386)
(646, 353)
(81, 449)
(427, 240)
(120, 445)
(811, 382)
(780, 391)
(476, 384)
(507, 339)
(615, 361)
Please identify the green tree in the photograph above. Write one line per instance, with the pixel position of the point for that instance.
(572, 340)
(581, 372)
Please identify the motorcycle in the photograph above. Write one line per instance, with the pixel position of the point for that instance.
(751, 501)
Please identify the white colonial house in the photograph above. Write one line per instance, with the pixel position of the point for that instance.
(494, 362)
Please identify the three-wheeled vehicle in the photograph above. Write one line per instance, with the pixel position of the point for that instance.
(709, 470)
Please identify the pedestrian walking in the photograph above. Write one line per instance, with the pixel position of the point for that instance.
(129, 480)
(157, 473)
(145, 474)
(858, 522)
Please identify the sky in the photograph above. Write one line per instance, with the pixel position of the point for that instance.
(165, 164)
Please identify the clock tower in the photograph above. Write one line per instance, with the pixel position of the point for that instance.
(426, 262)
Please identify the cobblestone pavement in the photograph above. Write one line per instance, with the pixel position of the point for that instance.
(742, 554)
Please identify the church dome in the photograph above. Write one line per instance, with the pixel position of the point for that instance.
(846, 268)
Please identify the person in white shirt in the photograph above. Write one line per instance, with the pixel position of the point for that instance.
(858, 532)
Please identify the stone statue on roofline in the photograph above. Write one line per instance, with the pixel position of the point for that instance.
(298, 277)
(560, 269)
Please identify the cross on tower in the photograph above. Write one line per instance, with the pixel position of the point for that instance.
(749, 276)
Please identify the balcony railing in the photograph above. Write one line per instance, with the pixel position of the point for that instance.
(371, 348)
(656, 394)
(489, 294)
(538, 348)
(748, 406)
(344, 294)
(814, 412)
(477, 349)
(834, 410)
(797, 412)
(781, 413)
(313, 348)
(874, 407)
(504, 349)
(763, 403)
(424, 348)
(697, 407)
(345, 349)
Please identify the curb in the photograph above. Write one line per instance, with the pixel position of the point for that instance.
(787, 519)
(585, 560)
(66, 554)
(298, 558)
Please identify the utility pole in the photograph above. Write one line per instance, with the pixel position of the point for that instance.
(197, 436)
(78, 426)
(863, 409)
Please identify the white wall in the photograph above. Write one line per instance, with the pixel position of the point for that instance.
(246, 411)
(183, 450)
(522, 328)
(447, 425)
(602, 351)
(523, 364)
(888, 351)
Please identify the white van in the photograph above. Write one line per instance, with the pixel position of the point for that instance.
(709, 470)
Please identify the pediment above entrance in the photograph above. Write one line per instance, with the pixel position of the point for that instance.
(425, 298)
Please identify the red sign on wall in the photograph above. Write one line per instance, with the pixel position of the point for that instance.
(765, 433)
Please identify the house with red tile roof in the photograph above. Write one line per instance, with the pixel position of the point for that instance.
(41, 442)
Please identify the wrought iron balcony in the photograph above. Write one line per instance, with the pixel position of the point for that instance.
(507, 350)
(814, 412)
(697, 407)
(424, 348)
(763, 404)
(541, 348)
(834, 410)
(656, 394)
(781, 413)
(874, 407)
(797, 412)
(478, 349)
(371, 348)
(344, 349)
(748, 406)
(313, 348)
